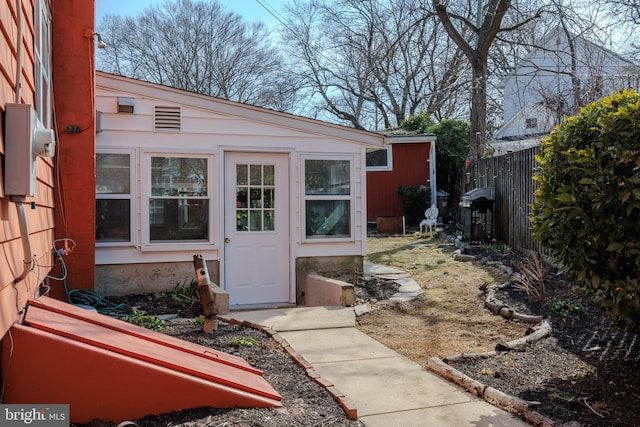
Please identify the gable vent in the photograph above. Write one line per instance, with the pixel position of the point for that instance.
(167, 119)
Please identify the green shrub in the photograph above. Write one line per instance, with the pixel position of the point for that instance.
(421, 122)
(415, 200)
(587, 204)
(452, 149)
(185, 293)
(149, 321)
(568, 309)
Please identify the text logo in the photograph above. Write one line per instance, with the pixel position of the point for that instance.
(34, 415)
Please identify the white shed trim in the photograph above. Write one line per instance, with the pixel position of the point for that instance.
(222, 106)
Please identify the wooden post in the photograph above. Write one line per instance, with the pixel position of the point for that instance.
(213, 299)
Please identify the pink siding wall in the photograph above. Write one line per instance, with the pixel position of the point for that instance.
(40, 220)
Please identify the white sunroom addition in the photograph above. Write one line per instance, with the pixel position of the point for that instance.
(265, 197)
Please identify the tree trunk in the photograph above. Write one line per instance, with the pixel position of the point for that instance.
(478, 108)
(487, 28)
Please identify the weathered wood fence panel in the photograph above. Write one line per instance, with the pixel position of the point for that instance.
(511, 177)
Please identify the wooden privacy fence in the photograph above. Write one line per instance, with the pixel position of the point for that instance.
(511, 177)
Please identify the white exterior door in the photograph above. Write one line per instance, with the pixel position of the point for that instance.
(256, 225)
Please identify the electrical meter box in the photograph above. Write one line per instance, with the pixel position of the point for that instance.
(25, 139)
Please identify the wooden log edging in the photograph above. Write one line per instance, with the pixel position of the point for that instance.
(540, 329)
(500, 308)
(494, 396)
(496, 306)
(535, 333)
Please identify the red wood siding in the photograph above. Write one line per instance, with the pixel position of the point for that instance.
(74, 85)
(410, 167)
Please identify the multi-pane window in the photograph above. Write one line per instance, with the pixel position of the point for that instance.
(255, 197)
(113, 197)
(179, 199)
(327, 198)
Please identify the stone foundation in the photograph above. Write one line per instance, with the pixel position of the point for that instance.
(133, 279)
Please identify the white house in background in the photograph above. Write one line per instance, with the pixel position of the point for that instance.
(540, 91)
(516, 134)
(266, 197)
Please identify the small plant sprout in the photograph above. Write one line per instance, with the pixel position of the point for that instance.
(244, 342)
(149, 321)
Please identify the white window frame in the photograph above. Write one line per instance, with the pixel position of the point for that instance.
(132, 197)
(145, 219)
(42, 59)
(389, 166)
(351, 197)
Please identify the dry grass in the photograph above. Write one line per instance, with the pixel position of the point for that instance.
(532, 277)
(449, 317)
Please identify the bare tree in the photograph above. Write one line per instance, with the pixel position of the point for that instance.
(373, 63)
(489, 18)
(197, 46)
(626, 9)
(570, 62)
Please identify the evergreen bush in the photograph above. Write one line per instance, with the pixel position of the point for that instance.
(415, 200)
(587, 204)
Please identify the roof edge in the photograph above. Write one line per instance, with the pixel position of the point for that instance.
(224, 106)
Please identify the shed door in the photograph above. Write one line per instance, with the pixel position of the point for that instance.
(256, 251)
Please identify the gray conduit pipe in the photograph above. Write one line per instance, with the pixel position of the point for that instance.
(24, 231)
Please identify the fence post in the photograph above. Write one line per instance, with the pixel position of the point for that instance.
(213, 299)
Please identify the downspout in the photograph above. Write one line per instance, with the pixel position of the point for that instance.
(432, 172)
(20, 200)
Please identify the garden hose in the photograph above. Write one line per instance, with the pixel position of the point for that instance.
(91, 298)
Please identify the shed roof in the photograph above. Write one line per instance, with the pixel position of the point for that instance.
(237, 109)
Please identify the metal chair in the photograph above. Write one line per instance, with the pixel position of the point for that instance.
(430, 219)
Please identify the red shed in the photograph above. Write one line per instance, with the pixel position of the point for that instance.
(405, 160)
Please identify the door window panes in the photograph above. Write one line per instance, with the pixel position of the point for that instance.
(255, 197)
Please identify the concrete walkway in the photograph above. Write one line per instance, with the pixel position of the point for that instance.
(387, 389)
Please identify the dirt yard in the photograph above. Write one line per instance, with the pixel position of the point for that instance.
(585, 373)
(449, 317)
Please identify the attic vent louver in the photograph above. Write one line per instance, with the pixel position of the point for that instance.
(167, 119)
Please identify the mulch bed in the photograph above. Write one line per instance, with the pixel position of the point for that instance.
(304, 402)
(587, 372)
